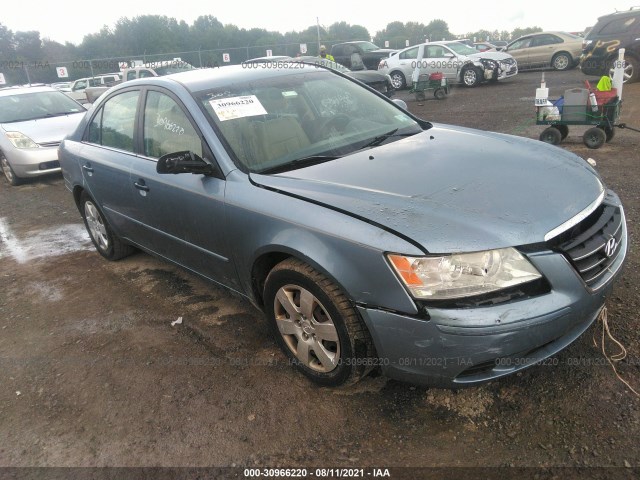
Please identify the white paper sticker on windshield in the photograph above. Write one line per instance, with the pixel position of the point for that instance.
(237, 107)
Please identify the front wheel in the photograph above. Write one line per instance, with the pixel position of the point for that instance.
(9, 174)
(316, 325)
(471, 77)
(106, 242)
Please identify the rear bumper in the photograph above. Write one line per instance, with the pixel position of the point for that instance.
(458, 347)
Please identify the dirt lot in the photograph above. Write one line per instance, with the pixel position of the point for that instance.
(93, 373)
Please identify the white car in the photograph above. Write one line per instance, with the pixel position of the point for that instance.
(459, 63)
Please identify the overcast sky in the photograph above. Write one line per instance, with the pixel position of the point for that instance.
(66, 20)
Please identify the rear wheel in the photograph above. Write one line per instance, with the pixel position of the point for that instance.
(398, 81)
(631, 69)
(594, 137)
(562, 61)
(8, 172)
(316, 325)
(106, 242)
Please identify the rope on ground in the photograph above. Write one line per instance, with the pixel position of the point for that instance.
(617, 357)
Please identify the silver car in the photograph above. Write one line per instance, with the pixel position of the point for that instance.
(33, 122)
(459, 63)
(369, 237)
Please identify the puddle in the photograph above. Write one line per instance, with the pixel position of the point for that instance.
(49, 242)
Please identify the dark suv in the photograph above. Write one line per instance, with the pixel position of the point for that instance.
(612, 32)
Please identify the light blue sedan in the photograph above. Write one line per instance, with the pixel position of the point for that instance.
(370, 238)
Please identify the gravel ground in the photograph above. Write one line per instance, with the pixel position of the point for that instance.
(94, 374)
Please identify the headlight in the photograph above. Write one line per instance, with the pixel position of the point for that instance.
(463, 274)
(20, 140)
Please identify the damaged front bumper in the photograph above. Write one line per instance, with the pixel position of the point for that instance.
(454, 347)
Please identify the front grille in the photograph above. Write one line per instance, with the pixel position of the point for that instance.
(593, 245)
(49, 144)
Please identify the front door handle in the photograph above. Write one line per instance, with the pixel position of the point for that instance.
(87, 168)
(140, 185)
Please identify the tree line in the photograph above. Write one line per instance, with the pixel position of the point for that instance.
(25, 56)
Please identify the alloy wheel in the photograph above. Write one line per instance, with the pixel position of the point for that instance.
(307, 328)
(96, 225)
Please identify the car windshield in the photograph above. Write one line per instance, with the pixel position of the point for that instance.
(31, 106)
(322, 61)
(368, 46)
(461, 48)
(283, 121)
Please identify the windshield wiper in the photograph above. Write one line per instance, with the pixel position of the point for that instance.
(300, 163)
(381, 138)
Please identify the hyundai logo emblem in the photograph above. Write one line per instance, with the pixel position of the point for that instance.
(610, 247)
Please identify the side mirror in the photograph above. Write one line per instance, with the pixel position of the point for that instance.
(184, 162)
(449, 55)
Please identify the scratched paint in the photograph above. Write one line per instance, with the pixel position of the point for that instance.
(49, 242)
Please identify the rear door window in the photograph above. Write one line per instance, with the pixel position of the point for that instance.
(113, 125)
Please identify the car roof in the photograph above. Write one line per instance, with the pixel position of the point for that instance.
(208, 78)
(633, 11)
(22, 90)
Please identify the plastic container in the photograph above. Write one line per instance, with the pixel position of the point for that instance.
(575, 105)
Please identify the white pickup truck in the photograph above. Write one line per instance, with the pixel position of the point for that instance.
(141, 70)
(78, 88)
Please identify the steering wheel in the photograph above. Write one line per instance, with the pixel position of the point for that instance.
(333, 125)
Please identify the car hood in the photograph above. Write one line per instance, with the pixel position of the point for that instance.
(46, 130)
(491, 55)
(452, 189)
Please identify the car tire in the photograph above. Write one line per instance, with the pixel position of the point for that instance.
(8, 172)
(551, 135)
(106, 242)
(562, 61)
(471, 77)
(316, 325)
(594, 137)
(631, 69)
(398, 81)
